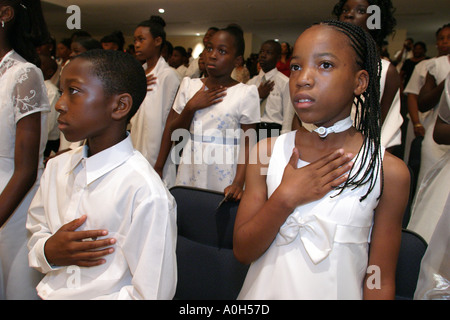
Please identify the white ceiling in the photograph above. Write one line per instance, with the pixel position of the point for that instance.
(266, 19)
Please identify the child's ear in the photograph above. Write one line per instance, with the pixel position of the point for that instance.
(6, 14)
(158, 42)
(361, 82)
(122, 106)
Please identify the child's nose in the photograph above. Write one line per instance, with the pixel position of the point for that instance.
(305, 78)
(60, 105)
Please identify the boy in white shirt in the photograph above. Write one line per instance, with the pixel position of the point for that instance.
(102, 224)
(273, 89)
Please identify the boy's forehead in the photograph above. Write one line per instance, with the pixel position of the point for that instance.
(78, 68)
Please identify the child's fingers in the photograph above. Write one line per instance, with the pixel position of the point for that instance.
(74, 224)
(88, 234)
(337, 176)
(329, 162)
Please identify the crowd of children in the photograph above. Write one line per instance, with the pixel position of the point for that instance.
(311, 140)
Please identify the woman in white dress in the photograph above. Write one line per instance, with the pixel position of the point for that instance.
(217, 111)
(148, 124)
(307, 227)
(23, 136)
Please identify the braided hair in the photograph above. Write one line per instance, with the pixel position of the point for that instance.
(367, 106)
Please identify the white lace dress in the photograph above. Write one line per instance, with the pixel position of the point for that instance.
(22, 92)
(321, 251)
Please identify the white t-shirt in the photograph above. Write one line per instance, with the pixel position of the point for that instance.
(119, 191)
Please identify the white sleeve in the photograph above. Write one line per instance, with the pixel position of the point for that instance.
(250, 107)
(39, 230)
(150, 250)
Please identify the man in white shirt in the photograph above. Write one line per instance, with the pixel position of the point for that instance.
(402, 55)
(273, 89)
(102, 224)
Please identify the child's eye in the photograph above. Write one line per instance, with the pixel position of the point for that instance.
(326, 65)
(221, 51)
(73, 91)
(295, 67)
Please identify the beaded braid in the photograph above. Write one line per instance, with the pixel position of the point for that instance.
(367, 107)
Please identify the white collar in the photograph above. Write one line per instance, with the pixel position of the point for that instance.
(269, 75)
(339, 126)
(104, 161)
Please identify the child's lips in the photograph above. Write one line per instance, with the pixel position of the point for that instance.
(303, 101)
(62, 125)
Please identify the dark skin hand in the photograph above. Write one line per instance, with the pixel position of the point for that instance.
(70, 247)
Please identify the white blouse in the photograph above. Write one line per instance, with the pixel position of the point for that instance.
(211, 149)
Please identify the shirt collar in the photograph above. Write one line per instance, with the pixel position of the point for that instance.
(103, 162)
(269, 75)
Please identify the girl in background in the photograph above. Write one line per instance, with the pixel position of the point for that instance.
(148, 124)
(212, 107)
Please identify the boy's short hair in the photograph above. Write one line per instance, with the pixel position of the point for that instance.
(275, 45)
(120, 73)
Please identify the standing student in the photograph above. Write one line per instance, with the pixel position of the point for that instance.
(23, 134)
(179, 60)
(147, 126)
(420, 121)
(102, 223)
(218, 111)
(307, 226)
(428, 100)
(193, 70)
(83, 44)
(284, 61)
(272, 89)
(49, 67)
(355, 12)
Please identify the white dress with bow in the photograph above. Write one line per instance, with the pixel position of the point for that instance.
(321, 251)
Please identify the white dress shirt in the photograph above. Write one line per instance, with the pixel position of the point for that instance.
(278, 100)
(120, 192)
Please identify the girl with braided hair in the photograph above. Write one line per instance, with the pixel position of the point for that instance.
(331, 194)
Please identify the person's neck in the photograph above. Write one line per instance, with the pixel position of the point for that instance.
(151, 63)
(101, 143)
(224, 81)
(267, 70)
